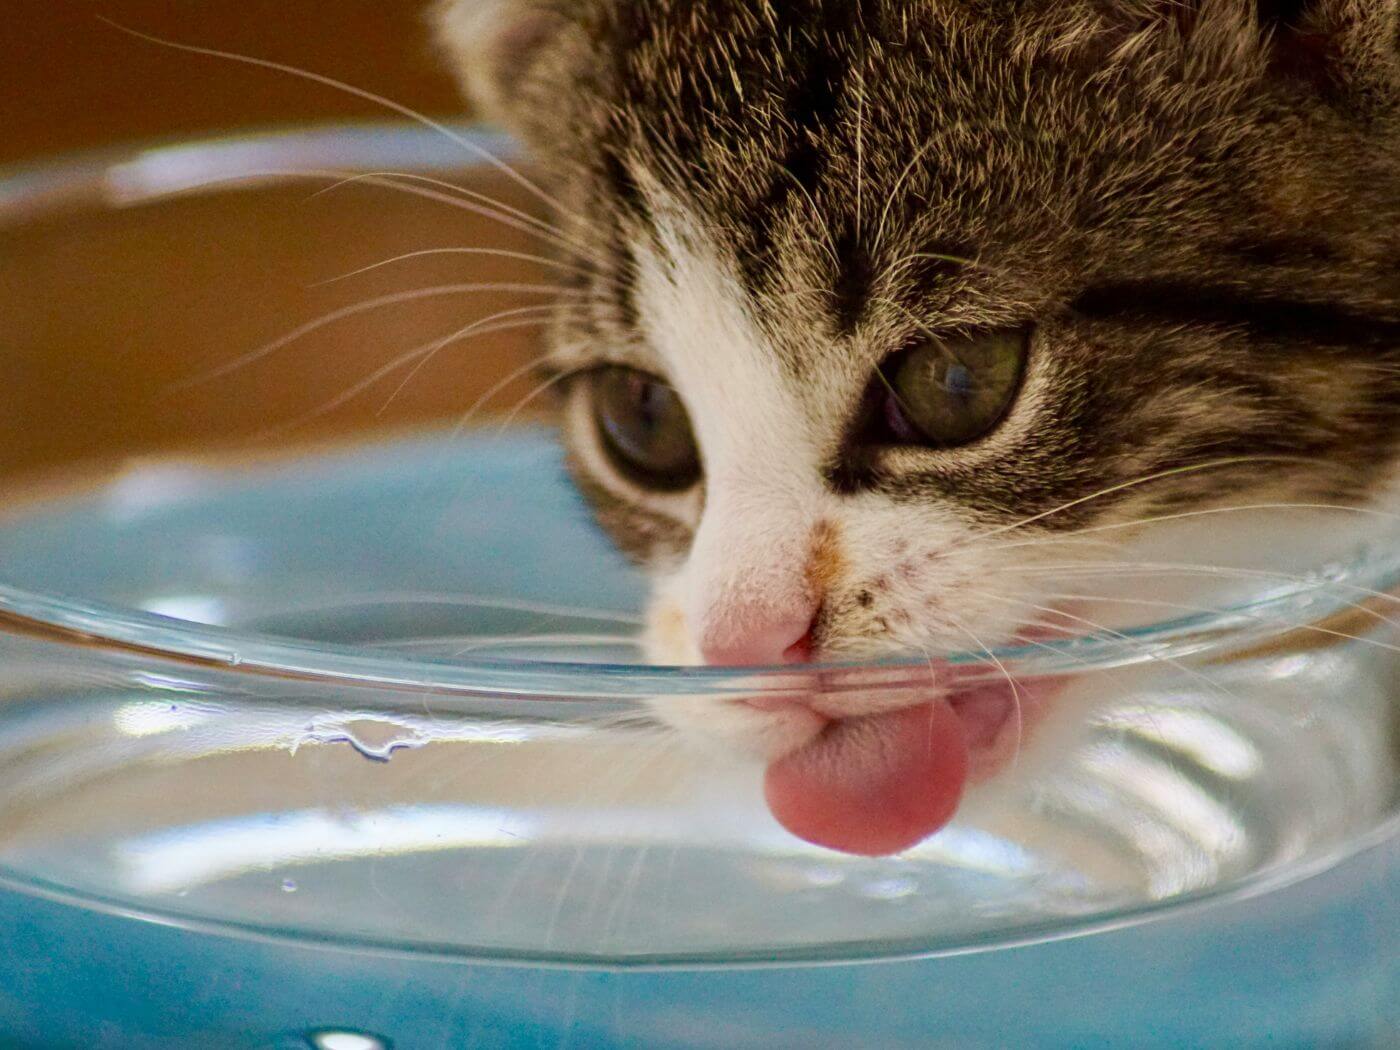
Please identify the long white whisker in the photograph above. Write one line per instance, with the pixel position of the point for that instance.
(469, 200)
(491, 210)
(526, 317)
(1122, 486)
(899, 182)
(1291, 625)
(1101, 629)
(356, 309)
(360, 386)
(546, 385)
(1017, 700)
(492, 391)
(1209, 512)
(474, 148)
(496, 253)
(1143, 569)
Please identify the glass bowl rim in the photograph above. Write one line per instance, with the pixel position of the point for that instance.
(150, 174)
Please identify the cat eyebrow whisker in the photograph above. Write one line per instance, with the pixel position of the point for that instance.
(526, 369)
(860, 152)
(895, 189)
(475, 202)
(421, 355)
(466, 200)
(474, 148)
(525, 317)
(495, 253)
(378, 302)
(827, 243)
(543, 387)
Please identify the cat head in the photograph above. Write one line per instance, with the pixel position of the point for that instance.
(891, 307)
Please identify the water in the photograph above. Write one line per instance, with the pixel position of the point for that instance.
(530, 835)
(386, 822)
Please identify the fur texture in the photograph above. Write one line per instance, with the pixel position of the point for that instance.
(1194, 205)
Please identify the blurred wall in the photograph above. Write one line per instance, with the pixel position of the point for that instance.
(70, 81)
(103, 319)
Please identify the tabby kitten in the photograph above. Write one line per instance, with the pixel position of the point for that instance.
(889, 301)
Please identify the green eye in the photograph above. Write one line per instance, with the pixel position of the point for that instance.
(644, 428)
(948, 392)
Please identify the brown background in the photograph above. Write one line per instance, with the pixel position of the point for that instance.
(70, 81)
(102, 319)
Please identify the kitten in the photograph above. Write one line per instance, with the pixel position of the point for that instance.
(888, 296)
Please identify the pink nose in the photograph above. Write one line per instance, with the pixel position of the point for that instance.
(775, 639)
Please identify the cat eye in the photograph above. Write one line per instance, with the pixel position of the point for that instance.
(945, 392)
(644, 428)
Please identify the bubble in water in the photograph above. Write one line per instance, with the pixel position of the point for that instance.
(289, 885)
(344, 1039)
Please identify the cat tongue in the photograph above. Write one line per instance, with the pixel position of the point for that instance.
(873, 785)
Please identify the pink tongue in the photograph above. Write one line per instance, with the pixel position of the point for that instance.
(873, 785)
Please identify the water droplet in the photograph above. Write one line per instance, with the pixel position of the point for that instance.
(344, 1039)
(289, 885)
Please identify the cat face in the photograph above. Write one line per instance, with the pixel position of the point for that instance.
(890, 306)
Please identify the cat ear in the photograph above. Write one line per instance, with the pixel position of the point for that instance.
(497, 47)
(1347, 48)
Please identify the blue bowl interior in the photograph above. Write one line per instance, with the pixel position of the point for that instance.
(398, 527)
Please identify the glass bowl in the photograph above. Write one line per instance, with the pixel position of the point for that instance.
(305, 745)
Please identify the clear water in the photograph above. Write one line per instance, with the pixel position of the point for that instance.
(231, 849)
(488, 826)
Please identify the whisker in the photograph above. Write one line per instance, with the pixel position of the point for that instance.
(490, 210)
(474, 201)
(1144, 569)
(819, 215)
(474, 148)
(496, 253)
(492, 391)
(526, 317)
(1017, 700)
(1212, 511)
(1122, 486)
(1101, 629)
(421, 354)
(893, 195)
(552, 381)
(1291, 625)
(356, 309)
